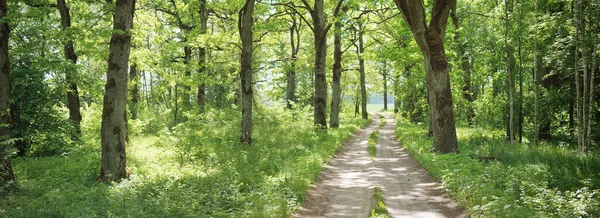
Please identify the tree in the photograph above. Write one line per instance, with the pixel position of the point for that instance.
(320, 29)
(73, 92)
(511, 87)
(135, 90)
(201, 96)
(6, 171)
(430, 39)
(245, 23)
(336, 89)
(114, 114)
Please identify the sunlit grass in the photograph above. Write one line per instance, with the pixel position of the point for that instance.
(198, 169)
(491, 177)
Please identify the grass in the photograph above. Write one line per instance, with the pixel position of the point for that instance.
(372, 145)
(197, 169)
(378, 107)
(380, 210)
(490, 177)
(382, 121)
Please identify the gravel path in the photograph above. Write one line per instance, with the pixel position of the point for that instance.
(345, 188)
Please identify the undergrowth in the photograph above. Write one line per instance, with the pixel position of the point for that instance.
(196, 169)
(491, 177)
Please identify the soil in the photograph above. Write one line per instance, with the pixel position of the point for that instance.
(346, 186)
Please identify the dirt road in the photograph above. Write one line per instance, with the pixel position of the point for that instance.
(345, 188)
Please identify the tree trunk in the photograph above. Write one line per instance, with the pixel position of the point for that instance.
(361, 62)
(520, 93)
(6, 170)
(245, 24)
(396, 94)
(511, 88)
(73, 93)
(186, 86)
(135, 91)
(384, 74)
(591, 88)
(320, 80)
(291, 72)
(336, 89)
(114, 115)
(201, 94)
(577, 85)
(431, 42)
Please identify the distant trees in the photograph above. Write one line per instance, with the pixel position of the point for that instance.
(114, 114)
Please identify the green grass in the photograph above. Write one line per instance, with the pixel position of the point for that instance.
(520, 180)
(198, 169)
(380, 210)
(372, 145)
(382, 121)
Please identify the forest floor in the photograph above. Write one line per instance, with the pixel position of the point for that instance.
(346, 186)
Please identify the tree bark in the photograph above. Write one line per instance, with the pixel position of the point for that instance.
(336, 89)
(114, 115)
(361, 63)
(431, 42)
(202, 57)
(320, 80)
(385, 90)
(245, 24)
(135, 91)
(185, 97)
(511, 88)
(291, 72)
(6, 169)
(73, 93)
(396, 94)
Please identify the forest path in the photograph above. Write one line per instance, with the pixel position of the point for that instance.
(346, 186)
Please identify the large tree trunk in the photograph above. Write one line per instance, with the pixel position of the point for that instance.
(431, 42)
(135, 91)
(201, 94)
(6, 170)
(361, 63)
(336, 90)
(114, 115)
(245, 24)
(73, 103)
(320, 80)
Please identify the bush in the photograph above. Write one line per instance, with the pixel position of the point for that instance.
(39, 120)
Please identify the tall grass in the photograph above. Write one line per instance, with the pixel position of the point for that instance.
(491, 177)
(196, 169)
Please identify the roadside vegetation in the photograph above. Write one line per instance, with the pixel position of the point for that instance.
(491, 177)
(197, 168)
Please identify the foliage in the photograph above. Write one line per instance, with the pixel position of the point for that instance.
(490, 177)
(40, 123)
(197, 169)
